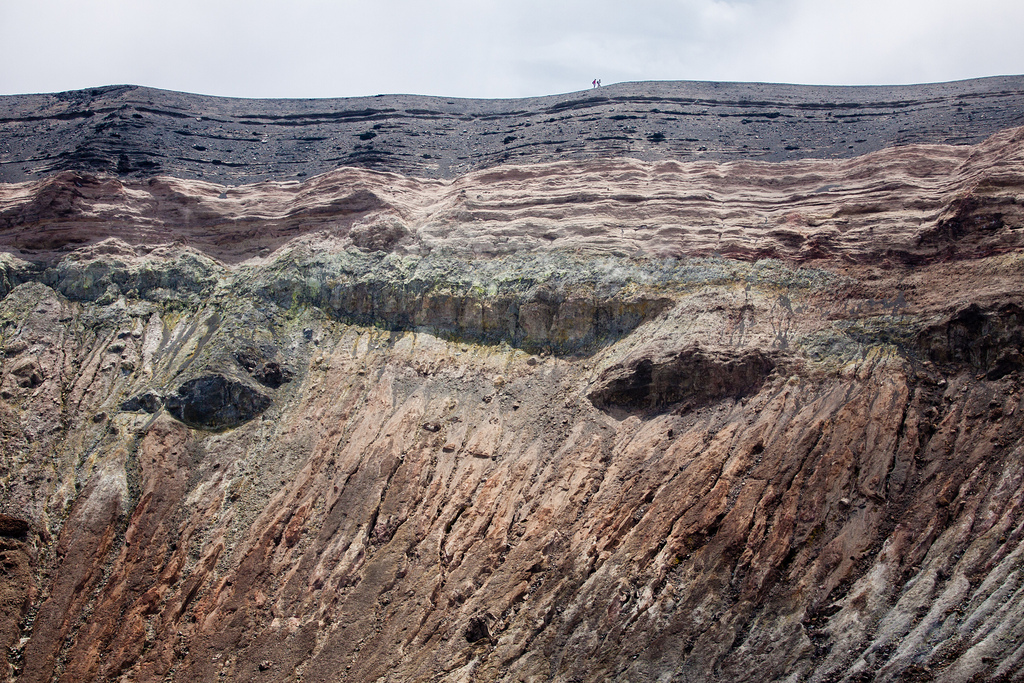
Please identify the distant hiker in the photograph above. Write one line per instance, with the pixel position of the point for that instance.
(593, 83)
(599, 83)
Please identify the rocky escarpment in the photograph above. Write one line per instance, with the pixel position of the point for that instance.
(141, 132)
(615, 419)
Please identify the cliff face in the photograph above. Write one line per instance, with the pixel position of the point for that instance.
(591, 419)
(142, 132)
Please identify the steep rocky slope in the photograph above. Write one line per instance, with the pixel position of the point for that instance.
(143, 132)
(583, 418)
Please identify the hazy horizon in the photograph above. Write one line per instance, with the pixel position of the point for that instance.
(493, 50)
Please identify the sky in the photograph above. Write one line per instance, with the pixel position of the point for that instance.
(496, 49)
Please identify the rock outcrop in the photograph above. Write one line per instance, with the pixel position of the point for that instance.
(690, 377)
(605, 414)
(142, 132)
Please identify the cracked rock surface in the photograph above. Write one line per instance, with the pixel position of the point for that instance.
(626, 416)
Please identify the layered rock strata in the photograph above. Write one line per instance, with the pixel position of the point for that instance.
(608, 419)
(142, 132)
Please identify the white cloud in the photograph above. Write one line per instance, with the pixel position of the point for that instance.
(492, 48)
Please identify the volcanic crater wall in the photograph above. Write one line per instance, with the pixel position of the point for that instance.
(553, 402)
(142, 132)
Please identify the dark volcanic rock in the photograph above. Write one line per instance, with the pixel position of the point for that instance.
(12, 526)
(136, 131)
(692, 376)
(266, 371)
(215, 402)
(477, 630)
(989, 340)
(147, 402)
(272, 374)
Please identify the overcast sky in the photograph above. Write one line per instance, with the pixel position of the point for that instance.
(492, 48)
